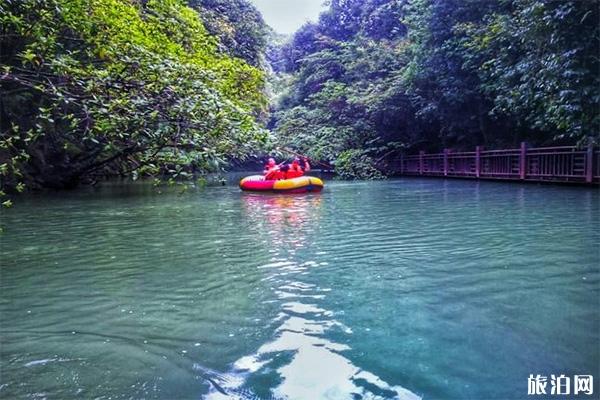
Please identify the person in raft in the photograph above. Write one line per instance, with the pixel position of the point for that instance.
(295, 169)
(273, 171)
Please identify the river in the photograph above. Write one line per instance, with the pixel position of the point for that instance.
(408, 288)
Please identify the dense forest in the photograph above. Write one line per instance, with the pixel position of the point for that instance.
(172, 89)
(108, 87)
(375, 77)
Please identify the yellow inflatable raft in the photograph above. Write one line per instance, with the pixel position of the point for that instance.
(301, 184)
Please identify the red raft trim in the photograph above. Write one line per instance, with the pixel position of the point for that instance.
(259, 185)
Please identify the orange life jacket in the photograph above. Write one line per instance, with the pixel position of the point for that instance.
(274, 174)
(294, 171)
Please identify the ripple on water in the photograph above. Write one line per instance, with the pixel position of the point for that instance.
(396, 289)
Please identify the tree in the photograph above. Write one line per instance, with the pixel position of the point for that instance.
(539, 63)
(113, 87)
(237, 24)
(375, 76)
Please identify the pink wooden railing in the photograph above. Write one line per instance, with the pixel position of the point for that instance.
(556, 164)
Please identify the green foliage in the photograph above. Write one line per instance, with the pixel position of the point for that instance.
(237, 24)
(345, 97)
(105, 87)
(433, 74)
(94, 88)
(540, 65)
(356, 164)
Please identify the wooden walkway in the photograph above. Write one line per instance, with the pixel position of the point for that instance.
(563, 164)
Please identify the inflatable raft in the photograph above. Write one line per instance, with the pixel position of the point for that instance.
(303, 184)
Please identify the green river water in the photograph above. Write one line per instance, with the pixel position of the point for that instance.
(403, 289)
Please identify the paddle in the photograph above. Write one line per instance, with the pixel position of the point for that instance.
(303, 156)
(277, 167)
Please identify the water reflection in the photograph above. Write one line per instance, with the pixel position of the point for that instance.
(301, 361)
(280, 213)
(252, 296)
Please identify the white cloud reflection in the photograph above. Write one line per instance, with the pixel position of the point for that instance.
(317, 369)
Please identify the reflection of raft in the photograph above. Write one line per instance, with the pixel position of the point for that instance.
(303, 184)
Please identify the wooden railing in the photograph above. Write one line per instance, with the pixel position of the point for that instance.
(555, 164)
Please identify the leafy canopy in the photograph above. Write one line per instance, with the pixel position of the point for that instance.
(374, 77)
(103, 87)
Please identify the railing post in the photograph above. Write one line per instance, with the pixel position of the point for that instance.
(478, 161)
(589, 162)
(421, 154)
(445, 162)
(523, 161)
